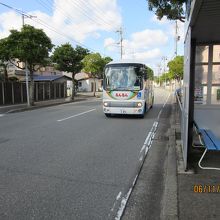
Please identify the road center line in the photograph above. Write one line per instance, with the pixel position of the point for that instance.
(73, 116)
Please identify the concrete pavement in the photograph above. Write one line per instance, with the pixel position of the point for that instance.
(194, 194)
(163, 190)
(70, 161)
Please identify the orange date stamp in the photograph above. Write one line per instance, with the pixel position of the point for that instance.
(206, 188)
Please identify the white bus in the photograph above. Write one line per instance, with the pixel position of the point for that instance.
(126, 89)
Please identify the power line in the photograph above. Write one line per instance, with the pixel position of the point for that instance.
(84, 12)
(60, 33)
(100, 14)
(45, 25)
(66, 14)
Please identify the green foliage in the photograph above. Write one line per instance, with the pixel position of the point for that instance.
(69, 59)
(4, 58)
(156, 79)
(172, 9)
(13, 79)
(107, 60)
(29, 45)
(150, 73)
(176, 67)
(94, 64)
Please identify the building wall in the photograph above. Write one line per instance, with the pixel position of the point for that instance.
(86, 85)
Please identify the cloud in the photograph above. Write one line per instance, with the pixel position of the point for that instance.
(163, 21)
(8, 21)
(144, 56)
(142, 46)
(110, 44)
(147, 38)
(70, 19)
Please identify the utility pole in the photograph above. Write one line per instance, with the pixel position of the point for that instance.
(177, 37)
(164, 58)
(26, 69)
(159, 71)
(120, 41)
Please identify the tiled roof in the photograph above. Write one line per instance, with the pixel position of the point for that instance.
(49, 78)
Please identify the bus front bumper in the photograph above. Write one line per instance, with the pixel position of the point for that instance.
(126, 111)
(124, 107)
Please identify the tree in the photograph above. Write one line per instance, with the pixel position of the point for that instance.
(172, 9)
(94, 64)
(150, 73)
(107, 60)
(69, 59)
(4, 57)
(176, 68)
(30, 46)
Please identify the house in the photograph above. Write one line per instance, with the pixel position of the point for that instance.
(86, 83)
(54, 86)
(14, 71)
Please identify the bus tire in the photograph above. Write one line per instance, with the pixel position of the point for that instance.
(107, 115)
(152, 103)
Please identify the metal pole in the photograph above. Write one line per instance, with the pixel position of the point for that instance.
(23, 20)
(27, 86)
(121, 41)
(3, 93)
(26, 73)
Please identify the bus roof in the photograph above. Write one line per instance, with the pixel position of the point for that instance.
(125, 61)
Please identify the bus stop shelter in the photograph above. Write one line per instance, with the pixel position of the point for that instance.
(201, 89)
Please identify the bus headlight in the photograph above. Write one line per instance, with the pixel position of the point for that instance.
(105, 104)
(139, 104)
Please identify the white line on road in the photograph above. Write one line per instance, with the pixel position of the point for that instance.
(125, 200)
(147, 145)
(1, 115)
(73, 116)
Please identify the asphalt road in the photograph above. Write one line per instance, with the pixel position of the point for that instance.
(70, 161)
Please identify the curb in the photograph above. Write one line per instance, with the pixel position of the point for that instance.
(170, 196)
(43, 106)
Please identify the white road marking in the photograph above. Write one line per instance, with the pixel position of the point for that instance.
(118, 196)
(125, 200)
(1, 115)
(147, 145)
(73, 116)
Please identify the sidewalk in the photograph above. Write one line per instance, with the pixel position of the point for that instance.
(184, 195)
(23, 107)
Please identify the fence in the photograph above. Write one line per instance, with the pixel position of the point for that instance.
(15, 92)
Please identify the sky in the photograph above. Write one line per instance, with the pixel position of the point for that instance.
(96, 25)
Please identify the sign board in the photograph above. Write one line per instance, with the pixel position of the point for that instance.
(198, 95)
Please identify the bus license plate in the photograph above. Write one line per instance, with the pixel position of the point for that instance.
(123, 111)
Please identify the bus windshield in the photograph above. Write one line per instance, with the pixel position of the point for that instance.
(121, 78)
